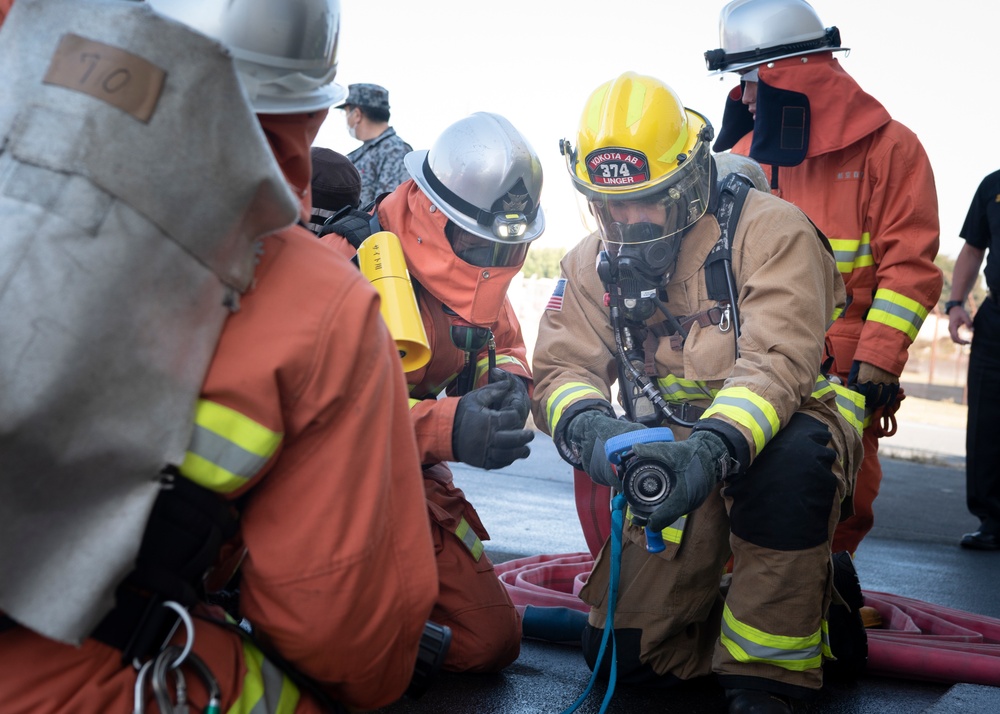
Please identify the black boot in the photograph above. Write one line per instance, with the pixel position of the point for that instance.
(848, 638)
(753, 701)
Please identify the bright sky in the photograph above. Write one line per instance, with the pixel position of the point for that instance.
(536, 61)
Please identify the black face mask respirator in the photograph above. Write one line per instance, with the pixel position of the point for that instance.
(639, 267)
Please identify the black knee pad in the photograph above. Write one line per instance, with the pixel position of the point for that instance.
(784, 499)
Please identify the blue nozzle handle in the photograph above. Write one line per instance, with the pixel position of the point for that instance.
(654, 541)
(618, 446)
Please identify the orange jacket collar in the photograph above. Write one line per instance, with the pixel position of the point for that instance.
(841, 112)
(476, 294)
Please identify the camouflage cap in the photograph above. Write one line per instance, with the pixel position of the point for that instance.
(367, 95)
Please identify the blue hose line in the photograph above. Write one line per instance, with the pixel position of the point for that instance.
(617, 519)
(553, 624)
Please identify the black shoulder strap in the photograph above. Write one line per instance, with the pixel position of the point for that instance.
(733, 190)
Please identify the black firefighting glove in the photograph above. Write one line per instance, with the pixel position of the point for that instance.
(698, 463)
(352, 224)
(517, 398)
(587, 434)
(489, 426)
(878, 386)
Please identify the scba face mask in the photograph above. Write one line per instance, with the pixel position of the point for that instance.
(638, 269)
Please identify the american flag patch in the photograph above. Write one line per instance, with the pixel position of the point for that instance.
(556, 301)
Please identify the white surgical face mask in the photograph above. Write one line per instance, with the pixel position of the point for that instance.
(351, 129)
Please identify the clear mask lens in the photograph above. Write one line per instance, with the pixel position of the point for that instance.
(625, 219)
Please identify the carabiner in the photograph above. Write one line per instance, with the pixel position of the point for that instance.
(725, 322)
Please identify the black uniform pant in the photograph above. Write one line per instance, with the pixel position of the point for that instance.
(982, 439)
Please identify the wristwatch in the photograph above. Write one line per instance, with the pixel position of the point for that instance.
(950, 304)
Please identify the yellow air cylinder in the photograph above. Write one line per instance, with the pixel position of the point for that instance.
(381, 260)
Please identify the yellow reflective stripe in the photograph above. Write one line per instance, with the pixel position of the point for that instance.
(507, 359)
(837, 312)
(748, 644)
(748, 410)
(566, 395)
(827, 652)
(483, 365)
(593, 111)
(673, 533)
(844, 250)
(227, 448)
(864, 257)
(898, 311)
(852, 253)
(414, 402)
(636, 98)
(850, 404)
(470, 539)
(677, 389)
(266, 690)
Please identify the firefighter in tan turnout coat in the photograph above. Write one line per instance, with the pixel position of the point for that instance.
(767, 449)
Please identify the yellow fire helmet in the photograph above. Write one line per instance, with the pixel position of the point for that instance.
(637, 142)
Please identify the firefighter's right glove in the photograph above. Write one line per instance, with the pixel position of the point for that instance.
(698, 464)
(587, 433)
(517, 397)
(489, 427)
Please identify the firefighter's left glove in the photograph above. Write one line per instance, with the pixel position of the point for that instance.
(698, 464)
(878, 386)
(587, 433)
(489, 426)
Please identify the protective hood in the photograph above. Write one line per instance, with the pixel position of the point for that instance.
(476, 294)
(290, 137)
(130, 223)
(806, 106)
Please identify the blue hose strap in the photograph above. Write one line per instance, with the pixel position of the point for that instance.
(617, 519)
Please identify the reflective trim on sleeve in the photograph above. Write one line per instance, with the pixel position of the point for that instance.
(227, 448)
(852, 253)
(748, 644)
(470, 539)
(566, 395)
(850, 404)
(483, 365)
(897, 311)
(748, 410)
(266, 689)
(676, 389)
(414, 402)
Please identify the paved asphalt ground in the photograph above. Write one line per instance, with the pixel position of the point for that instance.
(912, 551)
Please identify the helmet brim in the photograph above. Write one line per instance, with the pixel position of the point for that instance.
(415, 161)
(322, 97)
(733, 68)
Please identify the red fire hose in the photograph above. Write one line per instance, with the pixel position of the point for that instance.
(917, 640)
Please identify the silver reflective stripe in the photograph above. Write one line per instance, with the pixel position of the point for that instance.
(273, 680)
(224, 453)
(757, 651)
(745, 405)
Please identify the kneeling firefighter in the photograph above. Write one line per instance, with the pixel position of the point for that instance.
(170, 391)
(465, 221)
(706, 303)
